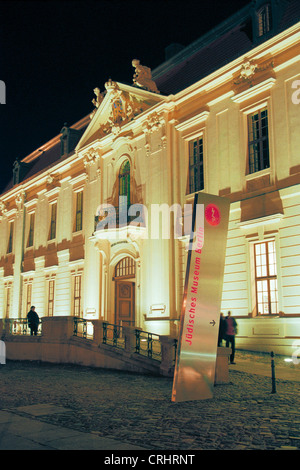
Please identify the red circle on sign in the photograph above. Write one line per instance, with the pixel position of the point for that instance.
(212, 214)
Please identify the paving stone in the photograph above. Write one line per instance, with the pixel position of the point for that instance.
(137, 411)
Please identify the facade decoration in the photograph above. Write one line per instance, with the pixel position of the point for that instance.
(248, 71)
(143, 77)
(97, 101)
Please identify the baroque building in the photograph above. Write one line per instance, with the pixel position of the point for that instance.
(220, 116)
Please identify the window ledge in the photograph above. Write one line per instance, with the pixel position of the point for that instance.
(258, 174)
(253, 91)
(268, 219)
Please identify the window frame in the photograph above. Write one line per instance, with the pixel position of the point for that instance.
(52, 222)
(264, 25)
(31, 227)
(51, 298)
(78, 213)
(77, 297)
(267, 278)
(10, 240)
(199, 165)
(258, 142)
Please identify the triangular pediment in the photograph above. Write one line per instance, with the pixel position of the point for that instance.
(119, 105)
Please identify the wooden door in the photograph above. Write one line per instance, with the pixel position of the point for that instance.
(125, 303)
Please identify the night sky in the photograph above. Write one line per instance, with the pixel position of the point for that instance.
(53, 53)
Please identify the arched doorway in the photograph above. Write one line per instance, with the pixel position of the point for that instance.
(124, 278)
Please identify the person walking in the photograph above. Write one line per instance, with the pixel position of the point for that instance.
(222, 329)
(231, 331)
(33, 321)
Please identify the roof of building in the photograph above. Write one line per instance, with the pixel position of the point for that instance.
(223, 44)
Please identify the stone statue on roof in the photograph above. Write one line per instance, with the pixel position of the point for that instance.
(143, 77)
(97, 101)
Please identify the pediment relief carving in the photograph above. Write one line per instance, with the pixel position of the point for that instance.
(119, 107)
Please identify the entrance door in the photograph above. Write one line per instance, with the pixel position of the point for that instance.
(125, 303)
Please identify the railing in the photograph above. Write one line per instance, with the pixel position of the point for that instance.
(148, 344)
(83, 328)
(20, 327)
(113, 335)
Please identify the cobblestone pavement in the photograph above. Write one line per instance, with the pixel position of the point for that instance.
(136, 409)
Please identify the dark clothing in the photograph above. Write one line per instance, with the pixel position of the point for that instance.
(231, 331)
(33, 322)
(230, 339)
(222, 330)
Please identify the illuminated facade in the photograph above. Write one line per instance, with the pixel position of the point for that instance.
(225, 121)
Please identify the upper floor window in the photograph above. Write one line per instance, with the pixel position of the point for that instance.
(124, 181)
(10, 238)
(266, 277)
(31, 230)
(53, 215)
(258, 141)
(264, 18)
(79, 211)
(196, 171)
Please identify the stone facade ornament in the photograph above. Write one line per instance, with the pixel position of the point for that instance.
(92, 156)
(97, 101)
(248, 70)
(143, 77)
(3, 209)
(124, 107)
(20, 198)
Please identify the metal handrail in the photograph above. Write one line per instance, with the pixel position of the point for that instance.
(148, 344)
(113, 335)
(20, 326)
(82, 327)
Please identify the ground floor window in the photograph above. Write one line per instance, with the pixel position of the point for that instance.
(77, 296)
(51, 298)
(266, 277)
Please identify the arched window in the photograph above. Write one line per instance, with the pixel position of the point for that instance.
(125, 268)
(124, 181)
(264, 17)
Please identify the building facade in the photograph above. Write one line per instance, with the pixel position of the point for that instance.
(220, 116)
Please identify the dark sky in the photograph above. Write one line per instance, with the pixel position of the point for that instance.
(53, 53)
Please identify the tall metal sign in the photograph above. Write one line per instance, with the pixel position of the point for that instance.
(194, 373)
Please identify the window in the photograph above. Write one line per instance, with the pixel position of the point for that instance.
(264, 18)
(31, 230)
(258, 141)
(51, 298)
(77, 295)
(266, 277)
(28, 297)
(125, 268)
(52, 231)
(196, 174)
(78, 214)
(10, 238)
(8, 300)
(124, 181)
